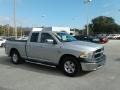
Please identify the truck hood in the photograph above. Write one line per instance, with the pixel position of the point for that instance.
(82, 45)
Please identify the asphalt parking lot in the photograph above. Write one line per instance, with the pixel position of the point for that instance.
(37, 77)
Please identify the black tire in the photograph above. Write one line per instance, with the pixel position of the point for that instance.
(16, 58)
(75, 65)
(2, 45)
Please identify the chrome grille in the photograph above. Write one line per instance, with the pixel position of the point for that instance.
(99, 50)
(98, 53)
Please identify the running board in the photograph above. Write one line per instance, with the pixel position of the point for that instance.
(41, 63)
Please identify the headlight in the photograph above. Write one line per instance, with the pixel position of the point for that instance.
(88, 55)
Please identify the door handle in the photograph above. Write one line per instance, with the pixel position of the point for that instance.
(28, 45)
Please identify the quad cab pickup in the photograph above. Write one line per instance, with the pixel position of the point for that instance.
(58, 49)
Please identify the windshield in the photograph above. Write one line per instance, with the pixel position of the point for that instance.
(64, 37)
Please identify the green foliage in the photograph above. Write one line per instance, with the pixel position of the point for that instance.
(78, 31)
(7, 30)
(103, 24)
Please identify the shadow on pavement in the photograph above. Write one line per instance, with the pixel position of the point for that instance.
(1, 88)
(118, 59)
(4, 60)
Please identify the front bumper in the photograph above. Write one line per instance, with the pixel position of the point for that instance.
(87, 66)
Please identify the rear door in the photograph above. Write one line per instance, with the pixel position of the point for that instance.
(33, 45)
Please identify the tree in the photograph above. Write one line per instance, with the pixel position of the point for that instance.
(77, 31)
(103, 24)
(7, 30)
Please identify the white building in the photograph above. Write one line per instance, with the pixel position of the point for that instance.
(58, 29)
(37, 29)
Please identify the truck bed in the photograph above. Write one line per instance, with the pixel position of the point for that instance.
(20, 45)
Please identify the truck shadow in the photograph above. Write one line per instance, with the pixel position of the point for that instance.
(4, 60)
(2, 88)
(118, 59)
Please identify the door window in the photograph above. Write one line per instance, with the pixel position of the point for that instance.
(45, 37)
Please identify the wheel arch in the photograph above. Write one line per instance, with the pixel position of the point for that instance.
(66, 55)
(13, 49)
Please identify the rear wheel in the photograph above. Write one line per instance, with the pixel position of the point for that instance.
(70, 66)
(2, 45)
(15, 57)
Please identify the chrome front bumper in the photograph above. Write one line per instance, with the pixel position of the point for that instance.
(86, 66)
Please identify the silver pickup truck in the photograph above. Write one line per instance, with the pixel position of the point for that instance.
(58, 49)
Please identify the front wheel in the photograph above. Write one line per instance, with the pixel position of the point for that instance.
(70, 66)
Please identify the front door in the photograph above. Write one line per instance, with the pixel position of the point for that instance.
(49, 50)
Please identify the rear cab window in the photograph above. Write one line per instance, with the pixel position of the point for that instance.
(34, 37)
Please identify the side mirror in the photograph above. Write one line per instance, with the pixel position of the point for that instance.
(49, 41)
